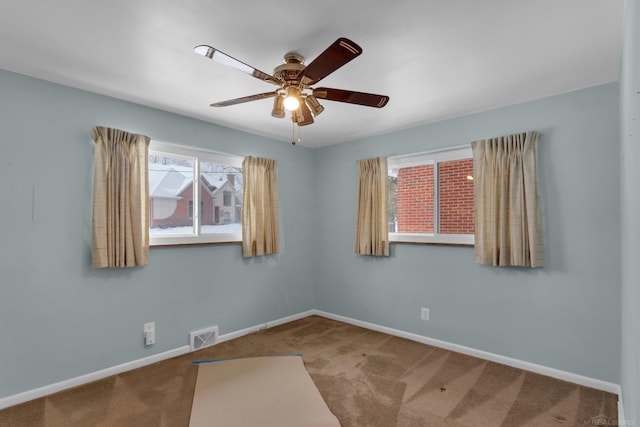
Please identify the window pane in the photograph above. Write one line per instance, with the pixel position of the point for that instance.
(392, 199)
(431, 197)
(220, 198)
(171, 194)
(413, 199)
(455, 197)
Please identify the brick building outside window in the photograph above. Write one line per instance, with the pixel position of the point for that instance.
(431, 197)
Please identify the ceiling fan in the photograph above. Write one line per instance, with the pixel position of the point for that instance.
(295, 80)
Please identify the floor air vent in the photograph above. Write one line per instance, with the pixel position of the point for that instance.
(203, 338)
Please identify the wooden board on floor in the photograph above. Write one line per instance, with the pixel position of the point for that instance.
(258, 391)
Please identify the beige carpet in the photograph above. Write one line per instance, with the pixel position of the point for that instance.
(274, 391)
(366, 378)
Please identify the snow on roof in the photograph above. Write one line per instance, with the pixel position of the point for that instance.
(169, 181)
(216, 179)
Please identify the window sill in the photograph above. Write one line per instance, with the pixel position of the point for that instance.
(467, 245)
(186, 240)
(428, 238)
(176, 244)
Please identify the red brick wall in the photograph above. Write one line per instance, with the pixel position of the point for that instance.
(415, 199)
(415, 194)
(456, 197)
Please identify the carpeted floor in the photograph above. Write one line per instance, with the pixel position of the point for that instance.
(367, 379)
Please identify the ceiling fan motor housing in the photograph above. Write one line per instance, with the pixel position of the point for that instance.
(289, 71)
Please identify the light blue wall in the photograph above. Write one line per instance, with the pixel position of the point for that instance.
(565, 315)
(630, 202)
(58, 317)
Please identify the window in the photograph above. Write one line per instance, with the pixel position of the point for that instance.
(191, 208)
(196, 195)
(431, 197)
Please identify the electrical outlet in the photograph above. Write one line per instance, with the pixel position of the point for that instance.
(424, 313)
(150, 333)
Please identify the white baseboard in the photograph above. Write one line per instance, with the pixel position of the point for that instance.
(36, 393)
(28, 395)
(104, 373)
(267, 325)
(521, 364)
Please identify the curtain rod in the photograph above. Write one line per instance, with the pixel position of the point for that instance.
(438, 150)
(435, 150)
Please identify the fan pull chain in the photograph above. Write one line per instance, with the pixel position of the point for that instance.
(293, 133)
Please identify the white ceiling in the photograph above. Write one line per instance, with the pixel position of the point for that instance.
(435, 59)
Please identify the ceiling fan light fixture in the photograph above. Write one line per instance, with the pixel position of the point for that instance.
(313, 105)
(291, 103)
(296, 116)
(278, 107)
(292, 100)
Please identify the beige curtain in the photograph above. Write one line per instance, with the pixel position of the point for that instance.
(372, 232)
(260, 235)
(508, 216)
(120, 225)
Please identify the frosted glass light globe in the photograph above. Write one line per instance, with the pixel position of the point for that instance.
(291, 103)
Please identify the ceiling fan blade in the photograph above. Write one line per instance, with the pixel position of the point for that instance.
(307, 117)
(335, 56)
(351, 97)
(245, 99)
(221, 57)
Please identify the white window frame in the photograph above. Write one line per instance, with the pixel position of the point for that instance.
(197, 155)
(433, 157)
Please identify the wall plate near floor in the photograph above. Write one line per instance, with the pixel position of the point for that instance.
(149, 333)
(203, 338)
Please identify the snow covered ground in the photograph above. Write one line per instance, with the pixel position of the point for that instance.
(206, 229)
